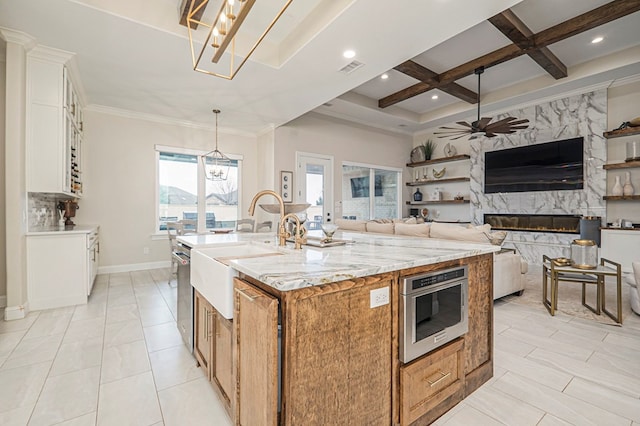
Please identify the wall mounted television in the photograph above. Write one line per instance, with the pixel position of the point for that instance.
(360, 186)
(549, 166)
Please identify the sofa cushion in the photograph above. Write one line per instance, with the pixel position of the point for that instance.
(380, 228)
(413, 229)
(351, 225)
(406, 220)
(458, 233)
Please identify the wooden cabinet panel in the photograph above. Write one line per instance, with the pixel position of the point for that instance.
(479, 339)
(223, 371)
(431, 380)
(256, 328)
(338, 355)
(202, 331)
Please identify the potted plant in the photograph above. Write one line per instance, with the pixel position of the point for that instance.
(428, 147)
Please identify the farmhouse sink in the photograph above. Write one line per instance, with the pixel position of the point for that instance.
(212, 276)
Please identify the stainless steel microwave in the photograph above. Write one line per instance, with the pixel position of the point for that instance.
(434, 311)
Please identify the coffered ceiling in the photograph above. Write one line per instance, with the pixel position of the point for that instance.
(132, 55)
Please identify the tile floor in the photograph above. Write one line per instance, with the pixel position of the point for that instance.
(119, 361)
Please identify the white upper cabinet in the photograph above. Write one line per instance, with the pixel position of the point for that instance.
(53, 125)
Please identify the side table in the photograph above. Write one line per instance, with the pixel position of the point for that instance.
(554, 272)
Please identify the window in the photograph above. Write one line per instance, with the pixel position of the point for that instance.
(362, 200)
(184, 193)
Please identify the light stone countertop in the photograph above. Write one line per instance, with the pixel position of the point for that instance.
(54, 230)
(365, 254)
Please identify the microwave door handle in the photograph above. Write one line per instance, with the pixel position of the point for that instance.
(435, 288)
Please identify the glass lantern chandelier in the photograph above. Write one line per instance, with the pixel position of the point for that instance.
(216, 165)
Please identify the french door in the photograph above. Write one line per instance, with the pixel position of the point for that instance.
(314, 174)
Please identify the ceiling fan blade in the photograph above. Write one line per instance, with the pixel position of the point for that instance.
(461, 136)
(452, 128)
(504, 121)
(464, 123)
(517, 122)
(500, 129)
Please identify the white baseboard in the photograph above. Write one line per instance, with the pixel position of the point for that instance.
(3, 301)
(134, 267)
(16, 312)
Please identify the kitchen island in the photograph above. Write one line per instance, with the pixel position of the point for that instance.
(315, 335)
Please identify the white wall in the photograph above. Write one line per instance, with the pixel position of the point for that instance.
(345, 141)
(3, 238)
(623, 106)
(120, 178)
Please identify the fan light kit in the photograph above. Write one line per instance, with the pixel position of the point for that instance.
(483, 125)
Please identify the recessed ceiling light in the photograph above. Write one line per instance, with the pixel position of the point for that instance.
(597, 40)
(434, 97)
(349, 54)
(384, 76)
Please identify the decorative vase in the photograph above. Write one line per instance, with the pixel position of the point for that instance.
(617, 187)
(627, 189)
(417, 196)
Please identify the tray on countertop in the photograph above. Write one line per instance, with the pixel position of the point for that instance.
(320, 242)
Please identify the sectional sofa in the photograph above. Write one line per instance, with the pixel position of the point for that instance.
(508, 266)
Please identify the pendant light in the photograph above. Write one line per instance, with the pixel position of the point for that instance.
(216, 164)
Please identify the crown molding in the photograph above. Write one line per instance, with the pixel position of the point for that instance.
(17, 37)
(625, 80)
(119, 112)
(51, 54)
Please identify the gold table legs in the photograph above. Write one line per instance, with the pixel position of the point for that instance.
(552, 274)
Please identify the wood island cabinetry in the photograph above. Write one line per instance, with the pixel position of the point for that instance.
(339, 353)
(213, 347)
(202, 349)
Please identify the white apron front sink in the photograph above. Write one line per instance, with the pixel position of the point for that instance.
(213, 278)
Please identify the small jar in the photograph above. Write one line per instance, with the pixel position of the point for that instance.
(584, 254)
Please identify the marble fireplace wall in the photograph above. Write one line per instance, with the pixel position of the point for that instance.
(579, 115)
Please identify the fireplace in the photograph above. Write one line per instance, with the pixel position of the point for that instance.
(567, 224)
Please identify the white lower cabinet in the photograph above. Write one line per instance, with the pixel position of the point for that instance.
(621, 246)
(61, 268)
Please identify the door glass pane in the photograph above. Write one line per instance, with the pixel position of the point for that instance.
(178, 187)
(315, 195)
(222, 200)
(385, 201)
(355, 192)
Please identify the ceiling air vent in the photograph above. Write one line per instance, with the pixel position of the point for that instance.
(351, 67)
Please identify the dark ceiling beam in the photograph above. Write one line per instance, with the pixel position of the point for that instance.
(592, 19)
(430, 78)
(198, 6)
(599, 16)
(517, 31)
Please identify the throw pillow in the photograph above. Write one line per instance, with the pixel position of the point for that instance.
(413, 229)
(497, 238)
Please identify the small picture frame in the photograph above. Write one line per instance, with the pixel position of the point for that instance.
(286, 186)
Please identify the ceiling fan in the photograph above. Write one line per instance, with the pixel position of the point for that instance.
(483, 125)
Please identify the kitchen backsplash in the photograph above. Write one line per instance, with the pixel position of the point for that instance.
(42, 209)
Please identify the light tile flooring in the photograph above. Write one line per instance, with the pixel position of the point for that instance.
(119, 360)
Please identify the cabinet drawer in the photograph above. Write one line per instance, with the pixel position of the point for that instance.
(432, 380)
